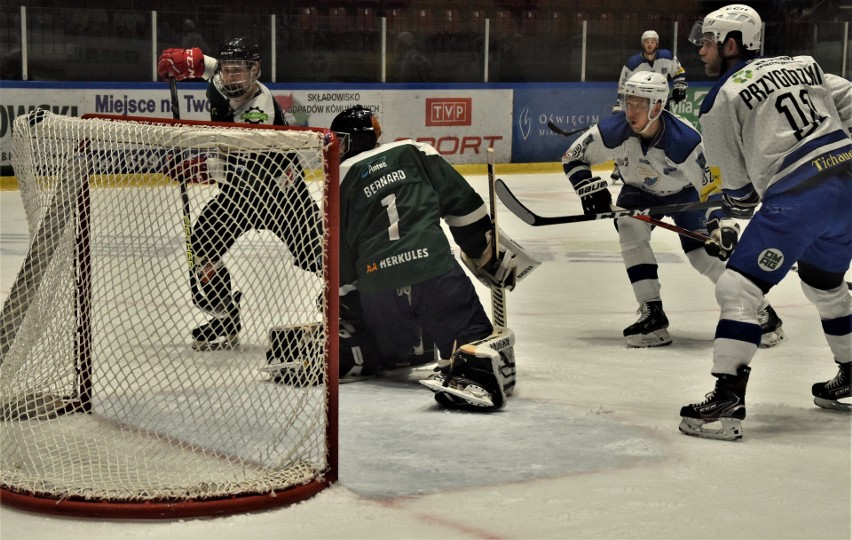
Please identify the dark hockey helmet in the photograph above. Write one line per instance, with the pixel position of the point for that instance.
(240, 48)
(238, 67)
(362, 128)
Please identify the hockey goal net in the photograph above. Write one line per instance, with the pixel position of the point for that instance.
(106, 408)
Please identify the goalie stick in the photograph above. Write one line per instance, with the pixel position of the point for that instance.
(559, 131)
(529, 217)
(498, 294)
(184, 194)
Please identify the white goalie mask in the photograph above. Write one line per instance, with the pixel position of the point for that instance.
(733, 18)
(649, 85)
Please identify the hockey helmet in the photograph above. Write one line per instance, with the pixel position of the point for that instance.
(647, 84)
(732, 18)
(650, 34)
(362, 128)
(238, 67)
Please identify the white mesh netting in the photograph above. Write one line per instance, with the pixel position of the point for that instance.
(103, 393)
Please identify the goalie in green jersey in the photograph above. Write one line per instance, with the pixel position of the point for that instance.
(398, 274)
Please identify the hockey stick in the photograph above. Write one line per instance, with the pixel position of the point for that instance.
(184, 194)
(498, 294)
(529, 217)
(559, 131)
(665, 225)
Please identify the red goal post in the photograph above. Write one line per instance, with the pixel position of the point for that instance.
(105, 408)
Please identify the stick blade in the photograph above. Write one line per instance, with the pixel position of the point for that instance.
(513, 204)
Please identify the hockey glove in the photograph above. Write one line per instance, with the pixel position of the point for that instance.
(740, 207)
(191, 171)
(594, 195)
(181, 64)
(724, 235)
(679, 91)
(513, 263)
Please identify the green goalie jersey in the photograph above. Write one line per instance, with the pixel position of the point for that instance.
(392, 200)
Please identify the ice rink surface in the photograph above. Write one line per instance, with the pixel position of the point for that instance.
(588, 447)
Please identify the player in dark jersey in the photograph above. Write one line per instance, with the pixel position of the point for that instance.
(255, 191)
(397, 269)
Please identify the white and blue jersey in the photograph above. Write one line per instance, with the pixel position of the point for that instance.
(665, 63)
(669, 163)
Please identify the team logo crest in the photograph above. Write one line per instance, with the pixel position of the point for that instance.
(743, 76)
(770, 259)
(254, 115)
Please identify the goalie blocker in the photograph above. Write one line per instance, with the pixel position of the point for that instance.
(480, 376)
(513, 264)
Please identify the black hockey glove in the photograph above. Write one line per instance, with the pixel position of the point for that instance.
(724, 235)
(679, 91)
(740, 207)
(594, 195)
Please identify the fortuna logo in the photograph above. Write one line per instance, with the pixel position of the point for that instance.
(770, 259)
(743, 76)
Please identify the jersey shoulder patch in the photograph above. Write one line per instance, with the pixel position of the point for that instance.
(635, 61)
(614, 130)
(679, 138)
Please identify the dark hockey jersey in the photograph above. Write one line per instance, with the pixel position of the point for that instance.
(392, 200)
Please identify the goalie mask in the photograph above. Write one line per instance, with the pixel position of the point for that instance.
(238, 67)
(361, 127)
(648, 85)
(718, 25)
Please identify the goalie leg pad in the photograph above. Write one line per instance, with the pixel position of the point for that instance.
(481, 374)
(294, 356)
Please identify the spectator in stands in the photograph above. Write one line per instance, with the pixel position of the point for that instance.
(412, 65)
(189, 38)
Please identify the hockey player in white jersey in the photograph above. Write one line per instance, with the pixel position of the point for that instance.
(778, 128)
(651, 58)
(662, 160)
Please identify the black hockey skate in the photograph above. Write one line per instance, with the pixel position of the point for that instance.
(220, 332)
(616, 175)
(725, 405)
(770, 327)
(828, 394)
(650, 329)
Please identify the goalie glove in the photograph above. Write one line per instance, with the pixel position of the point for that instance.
(723, 238)
(181, 64)
(512, 264)
(679, 91)
(594, 195)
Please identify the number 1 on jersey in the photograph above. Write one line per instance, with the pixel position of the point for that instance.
(389, 202)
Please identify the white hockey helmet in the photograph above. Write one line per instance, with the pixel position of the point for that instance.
(650, 85)
(732, 18)
(650, 34)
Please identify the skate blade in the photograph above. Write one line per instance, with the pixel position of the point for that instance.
(724, 429)
(771, 339)
(476, 400)
(832, 404)
(657, 338)
(224, 343)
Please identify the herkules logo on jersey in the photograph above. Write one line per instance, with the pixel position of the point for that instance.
(254, 115)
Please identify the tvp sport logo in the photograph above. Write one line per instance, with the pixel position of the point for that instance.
(448, 111)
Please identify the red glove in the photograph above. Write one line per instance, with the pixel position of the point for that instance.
(192, 170)
(181, 64)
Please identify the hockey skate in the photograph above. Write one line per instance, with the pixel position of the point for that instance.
(221, 332)
(615, 176)
(650, 329)
(721, 414)
(480, 376)
(770, 327)
(828, 394)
